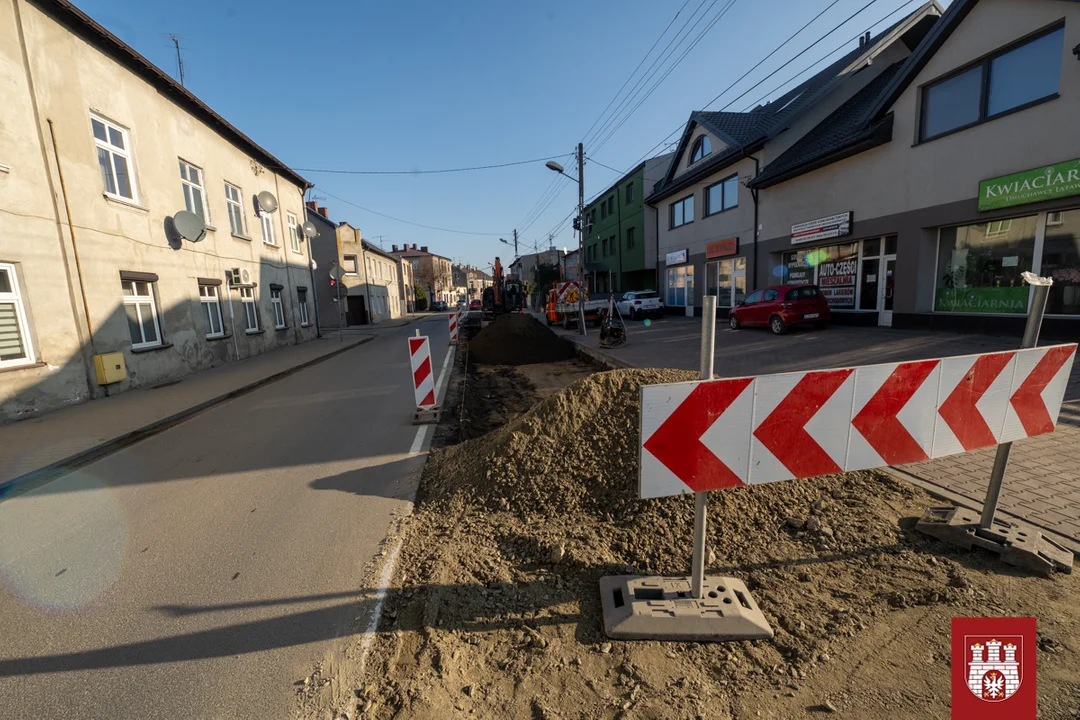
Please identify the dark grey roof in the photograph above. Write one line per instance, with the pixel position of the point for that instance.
(844, 128)
(746, 132)
(85, 27)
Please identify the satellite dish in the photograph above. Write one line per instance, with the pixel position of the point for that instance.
(267, 202)
(189, 226)
(310, 231)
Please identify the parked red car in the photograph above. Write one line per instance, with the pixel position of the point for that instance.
(779, 307)
(474, 305)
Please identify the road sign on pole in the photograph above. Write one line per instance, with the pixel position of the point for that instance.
(336, 271)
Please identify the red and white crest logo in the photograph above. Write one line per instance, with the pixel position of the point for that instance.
(993, 668)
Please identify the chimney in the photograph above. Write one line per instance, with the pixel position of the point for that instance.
(423, 248)
(393, 248)
(323, 211)
(414, 246)
(864, 39)
(313, 205)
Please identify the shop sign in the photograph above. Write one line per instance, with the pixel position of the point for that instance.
(676, 258)
(722, 248)
(799, 274)
(1045, 183)
(836, 280)
(982, 300)
(822, 228)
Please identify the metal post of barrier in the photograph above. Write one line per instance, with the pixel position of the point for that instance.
(1041, 289)
(701, 520)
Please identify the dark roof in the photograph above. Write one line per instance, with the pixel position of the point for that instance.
(85, 27)
(843, 129)
(746, 132)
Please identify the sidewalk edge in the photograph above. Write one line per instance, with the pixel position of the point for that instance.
(597, 356)
(44, 474)
(964, 501)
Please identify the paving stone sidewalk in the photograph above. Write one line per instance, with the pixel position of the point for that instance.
(1042, 482)
(38, 444)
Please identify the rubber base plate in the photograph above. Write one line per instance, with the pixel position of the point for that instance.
(661, 608)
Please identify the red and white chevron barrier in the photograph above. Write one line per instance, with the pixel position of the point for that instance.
(714, 434)
(454, 321)
(423, 375)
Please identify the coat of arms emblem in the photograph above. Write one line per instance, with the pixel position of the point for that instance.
(994, 666)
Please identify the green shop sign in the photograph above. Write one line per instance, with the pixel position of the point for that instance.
(982, 300)
(1045, 183)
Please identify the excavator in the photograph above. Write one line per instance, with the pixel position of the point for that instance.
(504, 296)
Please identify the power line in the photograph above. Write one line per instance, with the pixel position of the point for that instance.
(594, 160)
(430, 172)
(671, 69)
(407, 222)
(642, 62)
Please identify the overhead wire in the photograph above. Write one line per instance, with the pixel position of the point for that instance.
(429, 172)
(408, 222)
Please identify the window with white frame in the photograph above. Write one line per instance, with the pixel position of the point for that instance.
(349, 263)
(294, 232)
(236, 210)
(15, 346)
(301, 298)
(211, 307)
(267, 221)
(114, 158)
(251, 311)
(279, 309)
(141, 312)
(191, 179)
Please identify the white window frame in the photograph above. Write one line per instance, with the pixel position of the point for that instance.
(355, 264)
(190, 187)
(278, 308)
(251, 310)
(138, 301)
(113, 150)
(294, 232)
(235, 205)
(15, 297)
(267, 221)
(301, 302)
(209, 295)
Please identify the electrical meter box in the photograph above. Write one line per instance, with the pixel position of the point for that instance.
(110, 368)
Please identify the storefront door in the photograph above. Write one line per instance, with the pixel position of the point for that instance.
(885, 303)
(690, 291)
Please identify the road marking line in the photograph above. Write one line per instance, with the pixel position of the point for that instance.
(418, 442)
(380, 594)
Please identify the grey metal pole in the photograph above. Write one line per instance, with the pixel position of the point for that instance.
(581, 234)
(341, 315)
(701, 520)
(1031, 339)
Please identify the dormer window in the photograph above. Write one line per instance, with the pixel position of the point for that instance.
(702, 147)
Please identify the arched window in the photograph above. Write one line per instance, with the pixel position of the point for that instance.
(702, 147)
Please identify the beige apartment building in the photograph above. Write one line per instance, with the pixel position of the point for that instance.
(99, 290)
(915, 180)
(432, 272)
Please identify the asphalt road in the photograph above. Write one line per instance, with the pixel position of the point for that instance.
(202, 572)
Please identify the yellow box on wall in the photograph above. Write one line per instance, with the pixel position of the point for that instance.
(110, 368)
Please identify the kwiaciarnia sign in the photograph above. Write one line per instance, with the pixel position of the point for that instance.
(1045, 183)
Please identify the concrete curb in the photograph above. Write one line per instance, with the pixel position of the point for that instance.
(35, 478)
(597, 356)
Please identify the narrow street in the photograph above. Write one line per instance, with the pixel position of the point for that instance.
(203, 572)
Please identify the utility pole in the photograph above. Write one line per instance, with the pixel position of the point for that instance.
(581, 234)
(179, 59)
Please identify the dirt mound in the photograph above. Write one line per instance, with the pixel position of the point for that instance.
(497, 614)
(517, 339)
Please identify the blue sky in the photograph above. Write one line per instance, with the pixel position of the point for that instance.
(408, 85)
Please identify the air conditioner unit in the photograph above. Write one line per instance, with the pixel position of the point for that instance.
(233, 276)
(245, 276)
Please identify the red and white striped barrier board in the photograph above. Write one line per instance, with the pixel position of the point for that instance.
(423, 376)
(714, 434)
(453, 320)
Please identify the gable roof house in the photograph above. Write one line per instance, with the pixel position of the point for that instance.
(920, 200)
(707, 207)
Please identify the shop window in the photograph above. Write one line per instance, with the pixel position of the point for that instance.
(1061, 262)
(678, 278)
(871, 277)
(979, 266)
(833, 268)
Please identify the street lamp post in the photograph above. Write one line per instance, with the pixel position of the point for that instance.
(552, 165)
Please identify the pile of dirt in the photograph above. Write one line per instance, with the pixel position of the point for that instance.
(517, 339)
(496, 609)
